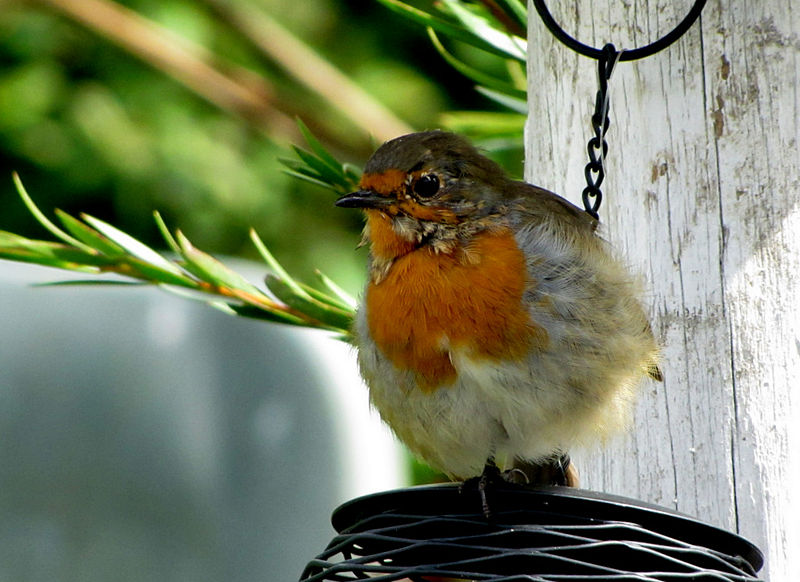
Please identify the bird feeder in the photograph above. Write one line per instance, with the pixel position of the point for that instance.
(439, 532)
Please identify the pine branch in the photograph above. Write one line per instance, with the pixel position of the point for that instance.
(92, 246)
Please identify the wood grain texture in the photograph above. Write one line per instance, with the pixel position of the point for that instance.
(702, 199)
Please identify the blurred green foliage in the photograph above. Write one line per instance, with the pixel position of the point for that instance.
(92, 128)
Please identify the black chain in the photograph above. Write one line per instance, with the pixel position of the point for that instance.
(607, 59)
(595, 170)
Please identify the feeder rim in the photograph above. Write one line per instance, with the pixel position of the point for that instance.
(439, 498)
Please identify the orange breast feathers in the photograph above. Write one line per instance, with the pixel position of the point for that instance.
(430, 303)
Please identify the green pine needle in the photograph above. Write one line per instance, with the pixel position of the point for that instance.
(92, 246)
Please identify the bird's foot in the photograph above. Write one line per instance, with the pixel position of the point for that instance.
(491, 476)
(553, 471)
(558, 470)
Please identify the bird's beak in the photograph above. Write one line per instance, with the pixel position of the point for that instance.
(363, 199)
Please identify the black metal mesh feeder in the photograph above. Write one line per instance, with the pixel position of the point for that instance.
(439, 533)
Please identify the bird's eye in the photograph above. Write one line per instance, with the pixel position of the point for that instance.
(427, 185)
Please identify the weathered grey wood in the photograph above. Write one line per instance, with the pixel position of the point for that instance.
(702, 199)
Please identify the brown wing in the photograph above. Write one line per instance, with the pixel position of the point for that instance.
(540, 202)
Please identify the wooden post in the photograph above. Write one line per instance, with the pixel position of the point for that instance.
(702, 197)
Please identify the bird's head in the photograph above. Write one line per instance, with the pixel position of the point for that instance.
(427, 188)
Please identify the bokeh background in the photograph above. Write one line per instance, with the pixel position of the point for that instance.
(93, 126)
(143, 436)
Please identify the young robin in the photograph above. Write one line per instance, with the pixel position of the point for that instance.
(496, 323)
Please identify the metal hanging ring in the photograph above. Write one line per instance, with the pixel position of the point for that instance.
(627, 54)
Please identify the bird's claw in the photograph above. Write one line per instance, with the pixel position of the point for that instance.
(491, 476)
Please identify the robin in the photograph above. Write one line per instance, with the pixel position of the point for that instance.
(496, 327)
